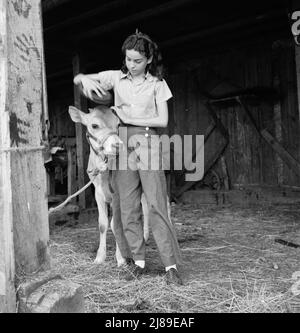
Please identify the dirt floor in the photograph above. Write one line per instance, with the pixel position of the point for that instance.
(233, 262)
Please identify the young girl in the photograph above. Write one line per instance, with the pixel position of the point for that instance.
(141, 96)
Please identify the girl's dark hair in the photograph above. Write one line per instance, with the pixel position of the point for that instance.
(143, 44)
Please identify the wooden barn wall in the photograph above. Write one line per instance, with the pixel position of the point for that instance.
(61, 124)
(249, 159)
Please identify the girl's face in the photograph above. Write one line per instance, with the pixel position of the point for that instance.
(136, 62)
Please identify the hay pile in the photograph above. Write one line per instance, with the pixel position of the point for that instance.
(231, 264)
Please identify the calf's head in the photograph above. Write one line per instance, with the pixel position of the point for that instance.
(102, 126)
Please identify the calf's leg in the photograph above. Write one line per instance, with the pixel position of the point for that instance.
(120, 260)
(103, 226)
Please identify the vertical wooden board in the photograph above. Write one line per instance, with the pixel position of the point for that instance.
(61, 123)
(31, 226)
(277, 110)
(266, 159)
(179, 106)
(86, 198)
(297, 64)
(290, 124)
(265, 112)
(254, 76)
(171, 105)
(25, 107)
(242, 155)
(71, 152)
(7, 262)
(230, 124)
(293, 113)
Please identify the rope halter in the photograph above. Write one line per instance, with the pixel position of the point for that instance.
(101, 142)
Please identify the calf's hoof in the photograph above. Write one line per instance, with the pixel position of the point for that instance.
(99, 260)
(121, 262)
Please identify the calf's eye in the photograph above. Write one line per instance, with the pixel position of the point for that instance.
(95, 126)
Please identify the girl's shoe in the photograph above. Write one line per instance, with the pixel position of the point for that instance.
(172, 277)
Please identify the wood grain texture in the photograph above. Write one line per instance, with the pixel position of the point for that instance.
(82, 148)
(24, 217)
(250, 159)
(7, 262)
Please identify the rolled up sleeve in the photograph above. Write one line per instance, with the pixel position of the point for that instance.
(107, 79)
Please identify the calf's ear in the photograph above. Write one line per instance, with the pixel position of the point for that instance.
(76, 115)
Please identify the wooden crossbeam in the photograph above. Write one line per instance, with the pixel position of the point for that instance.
(50, 4)
(146, 14)
(104, 8)
(208, 165)
(290, 161)
(235, 24)
(211, 127)
(212, 161)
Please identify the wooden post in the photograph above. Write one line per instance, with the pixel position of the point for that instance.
(7, 264)
(24, 231)
(278, 132)
(71, 151)
(297, 60)
(82, 148)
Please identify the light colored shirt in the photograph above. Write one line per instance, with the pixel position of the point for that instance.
(136, 100)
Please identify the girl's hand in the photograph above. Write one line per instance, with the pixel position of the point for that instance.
(90, 85)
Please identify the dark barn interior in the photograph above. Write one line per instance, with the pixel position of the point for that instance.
(234, 71)
(211, 52)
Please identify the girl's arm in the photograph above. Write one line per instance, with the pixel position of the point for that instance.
(90, 83)
(160, 121)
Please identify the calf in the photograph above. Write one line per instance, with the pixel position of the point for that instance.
(104, 142)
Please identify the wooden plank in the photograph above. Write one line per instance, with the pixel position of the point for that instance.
(209, 162)
(297, 61)
(208, 165)
(50, 4)
(225, 173)
(26, 106)
(276, 146)
(207, 134)
(7, 262)
(79, 135)
(71, 151)
(82, 147)
(103, 9)
(278, 131)
(285, 155)
(24, 231)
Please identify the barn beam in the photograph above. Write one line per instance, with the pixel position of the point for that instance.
(107, 7)
(106, 28)
(50, 4)
(24, 230)
(236, 24)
